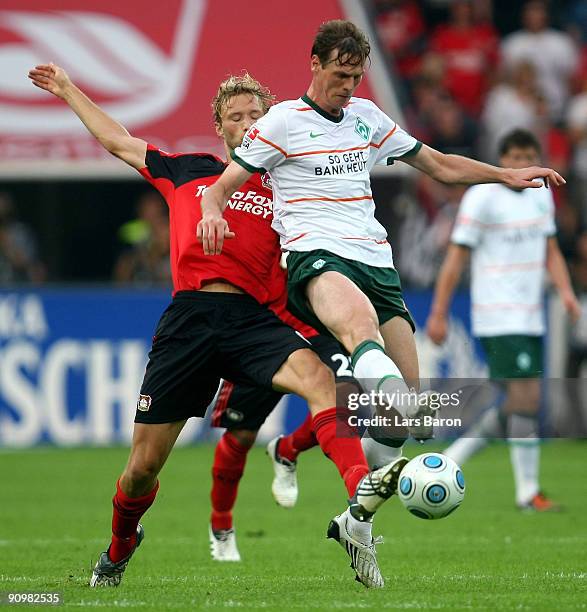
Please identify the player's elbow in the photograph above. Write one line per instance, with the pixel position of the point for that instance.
(443, 177)
(551, 263)
(552, 248)
(111, 145)
(440, 168)
(114, 144)
(553, 255)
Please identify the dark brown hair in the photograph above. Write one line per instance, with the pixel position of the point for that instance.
(518, 139)
(350, 42)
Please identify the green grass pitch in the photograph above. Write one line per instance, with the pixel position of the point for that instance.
(55, 518)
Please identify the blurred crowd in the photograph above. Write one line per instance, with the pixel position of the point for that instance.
(19, 258)
(464, 81)
(140, 251)
(144, 244)
(465, 84)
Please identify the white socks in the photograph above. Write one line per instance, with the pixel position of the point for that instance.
(522, 436)
(378, 454)
(359, 530)
(525, 456)
(464, 448)
(377, 372)
(475, 439)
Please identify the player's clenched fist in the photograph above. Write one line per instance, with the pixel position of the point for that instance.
(51, 78)
(437, 328)
(572, 305)
(212, 230)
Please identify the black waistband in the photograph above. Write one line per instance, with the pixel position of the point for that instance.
(214, 296)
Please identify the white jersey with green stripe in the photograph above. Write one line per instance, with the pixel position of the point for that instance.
(319, 167)
(507, 232)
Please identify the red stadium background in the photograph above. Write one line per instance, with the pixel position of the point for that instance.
(155, 71)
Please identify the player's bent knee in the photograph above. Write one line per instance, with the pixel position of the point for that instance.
(523, 396)
(144, 469)
(306, 375)
(322, 377)
(320, 383)
(245, 437)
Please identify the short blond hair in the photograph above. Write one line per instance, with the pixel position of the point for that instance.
(236, 85)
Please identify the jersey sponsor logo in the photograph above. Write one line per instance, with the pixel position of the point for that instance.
(522, 235)
(319, 263)
(363, 129)
(249, 202)
(350, 162)
(312, 135)
(144, 403)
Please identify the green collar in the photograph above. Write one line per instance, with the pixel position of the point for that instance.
(322, 112)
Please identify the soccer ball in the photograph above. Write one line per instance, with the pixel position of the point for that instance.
(431, 486)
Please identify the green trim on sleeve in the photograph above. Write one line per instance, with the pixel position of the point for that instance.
(410, 153)
(245, 165)
(463, 243)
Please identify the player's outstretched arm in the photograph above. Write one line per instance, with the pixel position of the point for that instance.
(448, 279)
(111, 134)
(213, 228)
(559, 273)
(456, 169)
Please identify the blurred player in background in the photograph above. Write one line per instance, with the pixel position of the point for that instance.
(512, 237)
(218, 326)
(145, 256)
(19, 260)
(319, 150)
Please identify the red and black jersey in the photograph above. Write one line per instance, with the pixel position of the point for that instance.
(250, 260)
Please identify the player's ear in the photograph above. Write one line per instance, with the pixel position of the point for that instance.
(315, 63)
(218, 128)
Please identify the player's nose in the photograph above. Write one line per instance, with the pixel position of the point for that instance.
(349, 85)
(247, 123)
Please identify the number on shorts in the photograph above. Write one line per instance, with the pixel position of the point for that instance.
(344, 369)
